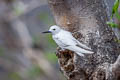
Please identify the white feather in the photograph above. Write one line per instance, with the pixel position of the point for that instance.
(80, 54)
(65, 40)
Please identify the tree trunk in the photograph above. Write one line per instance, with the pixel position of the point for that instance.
(86, 19)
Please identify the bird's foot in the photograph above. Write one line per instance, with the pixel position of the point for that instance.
(60, 49)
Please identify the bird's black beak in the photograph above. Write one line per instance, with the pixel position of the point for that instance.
(47, 32)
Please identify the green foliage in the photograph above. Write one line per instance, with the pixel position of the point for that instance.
(36, 39)
(45, 39)
(14, 76)
(50, 40)
(112, 24)
(18, 11)
(44, 17)
(115, 7)
(51, 57)
(19, 8)
(35, 71)
(116, 13)
(117, 40)
(1, 51)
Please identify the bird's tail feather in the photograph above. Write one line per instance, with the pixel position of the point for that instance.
(89, 52)
(80, 50)
(84, 46)
(80, 54)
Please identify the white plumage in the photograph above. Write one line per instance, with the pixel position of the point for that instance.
(65, 40)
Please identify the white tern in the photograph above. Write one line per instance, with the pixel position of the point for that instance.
(65, 40)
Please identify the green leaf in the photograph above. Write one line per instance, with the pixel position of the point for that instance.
(117, 15)
(117, 40)
(115, 7)
(112, 24)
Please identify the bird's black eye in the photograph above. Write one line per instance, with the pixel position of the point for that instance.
(53, 29)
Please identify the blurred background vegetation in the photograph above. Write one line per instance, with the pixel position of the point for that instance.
(25, 53)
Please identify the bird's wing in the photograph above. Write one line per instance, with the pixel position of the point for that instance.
(68, 39)
(80, 54)
(76, 42)
(82, 45)
(79, 50)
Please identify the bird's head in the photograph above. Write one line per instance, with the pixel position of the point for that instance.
(53, 29)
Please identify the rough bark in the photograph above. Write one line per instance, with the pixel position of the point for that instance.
(86, 19)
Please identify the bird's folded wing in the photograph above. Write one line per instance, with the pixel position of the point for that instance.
(68, 39)
(65, 42)
(82, 45)
(62, 43)
(80, 50)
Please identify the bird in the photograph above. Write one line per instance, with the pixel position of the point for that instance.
(65, 40)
